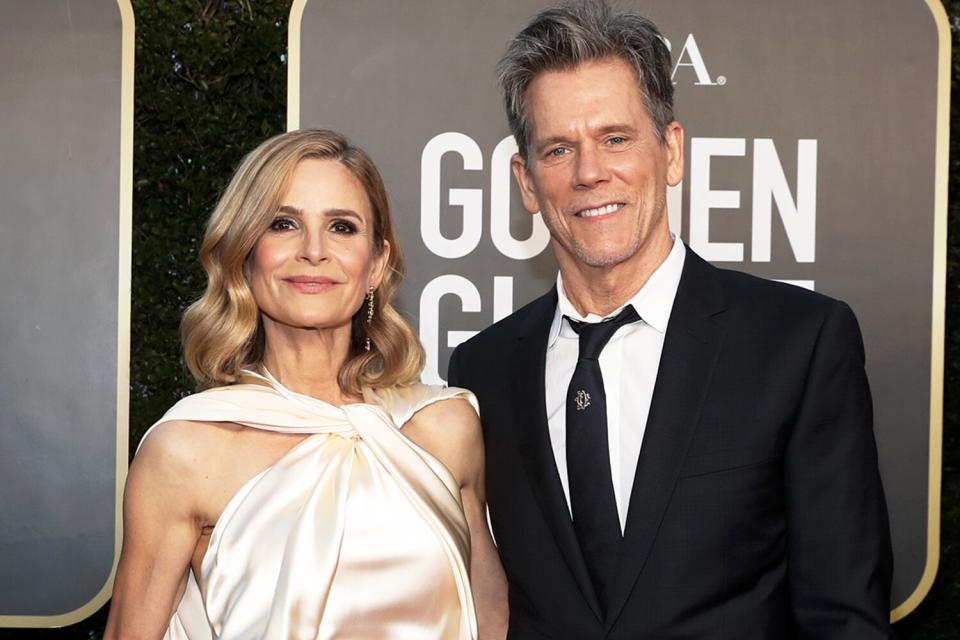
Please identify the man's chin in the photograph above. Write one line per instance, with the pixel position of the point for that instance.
(604, 258)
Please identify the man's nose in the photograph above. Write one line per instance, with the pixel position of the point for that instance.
(591, 168)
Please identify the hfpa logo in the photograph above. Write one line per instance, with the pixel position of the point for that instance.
(690, 58)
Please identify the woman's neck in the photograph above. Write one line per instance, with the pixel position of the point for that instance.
(307, 361)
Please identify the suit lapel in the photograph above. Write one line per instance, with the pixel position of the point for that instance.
(690, 350)
(534, 440)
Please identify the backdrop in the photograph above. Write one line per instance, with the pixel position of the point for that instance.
(66, 105)
(788, 177)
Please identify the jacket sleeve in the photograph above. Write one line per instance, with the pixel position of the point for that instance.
(453, 369)
(838, 536)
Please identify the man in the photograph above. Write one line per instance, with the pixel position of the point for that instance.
(702, 463)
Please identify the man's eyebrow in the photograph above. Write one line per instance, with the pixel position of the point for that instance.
(552, 140)
(617, 128)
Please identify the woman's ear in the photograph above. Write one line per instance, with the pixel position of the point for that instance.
(380, 262)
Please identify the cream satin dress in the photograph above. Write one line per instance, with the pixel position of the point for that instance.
(355, 533)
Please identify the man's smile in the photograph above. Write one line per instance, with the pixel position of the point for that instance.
(602, 210)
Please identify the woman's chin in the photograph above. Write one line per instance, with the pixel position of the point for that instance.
(311, 322)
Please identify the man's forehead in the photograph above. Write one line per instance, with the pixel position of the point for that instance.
(594, 94)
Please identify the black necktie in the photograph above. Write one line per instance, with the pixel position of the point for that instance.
(592, 500)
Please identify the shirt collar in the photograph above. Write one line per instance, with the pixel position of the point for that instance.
(652, 302)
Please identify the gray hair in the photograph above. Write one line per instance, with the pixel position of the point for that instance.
(561, 38)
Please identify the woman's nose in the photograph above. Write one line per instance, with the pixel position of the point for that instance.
(314, 248)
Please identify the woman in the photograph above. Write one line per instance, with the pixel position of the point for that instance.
(284, 501)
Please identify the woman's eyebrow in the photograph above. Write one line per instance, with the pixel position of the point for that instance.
(333, 212)
(342, 213)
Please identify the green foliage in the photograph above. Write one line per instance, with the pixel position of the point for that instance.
(210, 86)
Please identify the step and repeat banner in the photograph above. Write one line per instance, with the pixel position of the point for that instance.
(816, 153)
(66, 108)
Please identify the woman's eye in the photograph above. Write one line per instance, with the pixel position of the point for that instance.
(282, 224)
(343, 226)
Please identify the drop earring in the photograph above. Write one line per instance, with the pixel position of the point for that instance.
(370, 292)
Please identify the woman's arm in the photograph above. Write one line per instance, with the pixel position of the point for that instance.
(160, 532)
(450, 431)
(486, 573)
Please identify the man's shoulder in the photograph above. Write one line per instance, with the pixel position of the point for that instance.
(742, 296)
(781, 302)
(513, 326)
(740, 287)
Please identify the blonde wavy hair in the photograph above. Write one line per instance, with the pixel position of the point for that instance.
(222, 332)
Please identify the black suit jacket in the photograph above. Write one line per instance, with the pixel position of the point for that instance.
(757, 510)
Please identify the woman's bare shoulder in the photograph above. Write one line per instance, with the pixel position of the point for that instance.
(451, 413)
(181, 449)
(449, 430)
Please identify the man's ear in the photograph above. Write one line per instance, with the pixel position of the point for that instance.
(673, 141)
(528, 191)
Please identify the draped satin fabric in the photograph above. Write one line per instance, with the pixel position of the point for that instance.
(354, 533)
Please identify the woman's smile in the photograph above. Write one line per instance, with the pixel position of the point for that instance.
(311, 284)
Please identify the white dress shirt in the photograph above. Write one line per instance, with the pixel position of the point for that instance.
(628, 363)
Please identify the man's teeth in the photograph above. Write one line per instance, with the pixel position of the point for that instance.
(599, 211)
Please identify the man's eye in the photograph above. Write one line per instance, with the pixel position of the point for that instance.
(617, 140)
(556, 153)
(282, 224)
(343, 226)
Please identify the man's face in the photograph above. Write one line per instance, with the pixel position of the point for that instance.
(595, 168)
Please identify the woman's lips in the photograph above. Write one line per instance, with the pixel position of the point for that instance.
(310, 284)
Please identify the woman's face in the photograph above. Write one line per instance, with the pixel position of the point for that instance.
(312, 267)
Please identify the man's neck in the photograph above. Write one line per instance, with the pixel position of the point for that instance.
(602, 290)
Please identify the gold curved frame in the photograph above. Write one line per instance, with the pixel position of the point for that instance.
(938, 317)
(123, 331)
(293, 64)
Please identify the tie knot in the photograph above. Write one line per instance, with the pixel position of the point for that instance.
(595, 335)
